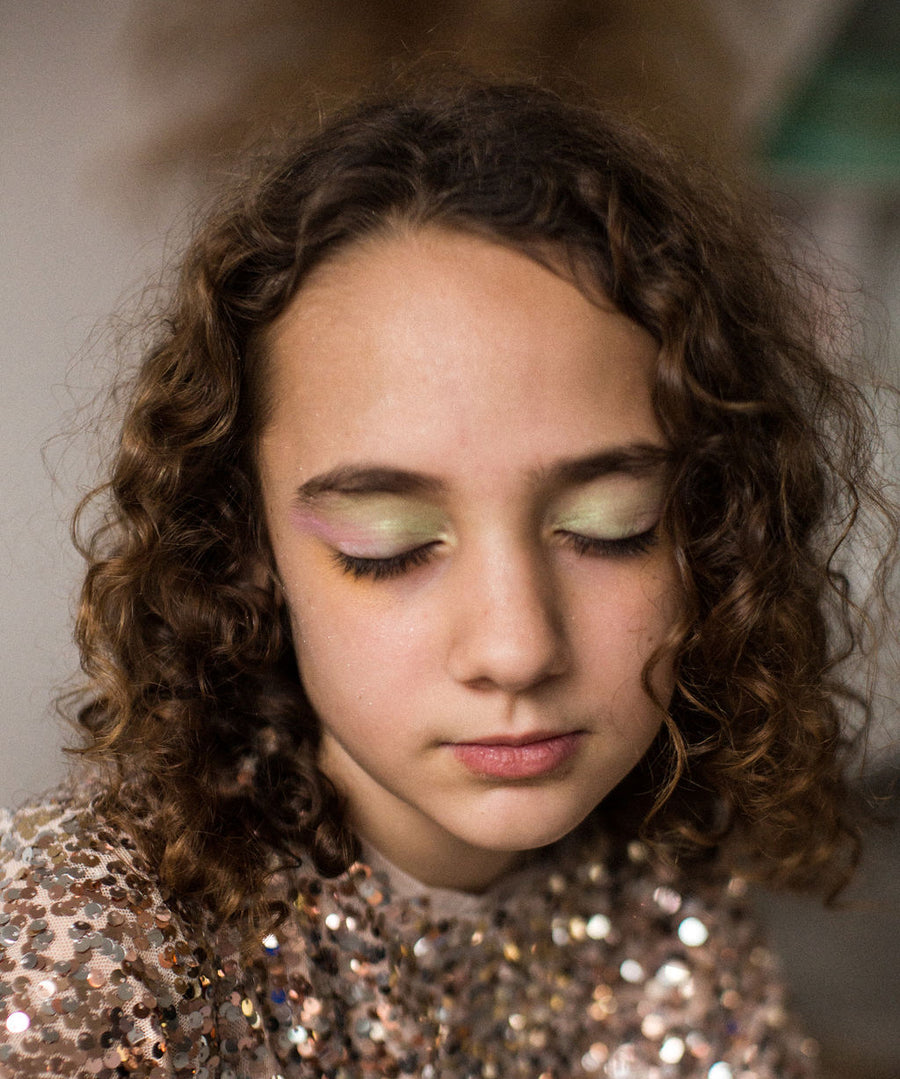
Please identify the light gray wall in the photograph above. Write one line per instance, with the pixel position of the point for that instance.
(68, 259)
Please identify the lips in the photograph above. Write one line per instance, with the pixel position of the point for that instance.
(525, 757)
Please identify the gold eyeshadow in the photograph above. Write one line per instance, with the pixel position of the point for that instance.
(372, 525)
(610, 508)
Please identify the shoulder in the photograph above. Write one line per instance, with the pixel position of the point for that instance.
(98, 975)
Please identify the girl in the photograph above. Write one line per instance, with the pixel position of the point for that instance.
(457, 625)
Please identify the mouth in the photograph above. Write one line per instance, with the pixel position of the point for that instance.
(529, 756)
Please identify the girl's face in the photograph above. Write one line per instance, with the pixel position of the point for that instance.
(463, 478)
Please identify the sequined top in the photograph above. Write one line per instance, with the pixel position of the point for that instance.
(579, 965)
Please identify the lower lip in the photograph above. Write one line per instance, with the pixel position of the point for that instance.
(527, 761)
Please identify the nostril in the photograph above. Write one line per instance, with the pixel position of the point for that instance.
(483, 685)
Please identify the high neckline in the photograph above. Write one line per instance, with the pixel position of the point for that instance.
(446, 902)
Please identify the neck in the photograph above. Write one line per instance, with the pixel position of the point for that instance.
(450, 863)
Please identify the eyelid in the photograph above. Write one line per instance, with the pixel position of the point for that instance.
(612, 508)
(377, 527)
(385, 547)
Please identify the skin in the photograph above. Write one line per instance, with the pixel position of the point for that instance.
(436, 393)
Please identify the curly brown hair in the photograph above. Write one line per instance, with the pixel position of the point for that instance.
(195, 701)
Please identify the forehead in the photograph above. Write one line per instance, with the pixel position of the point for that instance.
(438, 343)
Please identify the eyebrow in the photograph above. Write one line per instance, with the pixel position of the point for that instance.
(369, 480)
(637, 459)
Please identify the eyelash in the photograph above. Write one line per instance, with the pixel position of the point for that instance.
(613, 548)
(381, 569)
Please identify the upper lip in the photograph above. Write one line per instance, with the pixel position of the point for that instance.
(515, 739)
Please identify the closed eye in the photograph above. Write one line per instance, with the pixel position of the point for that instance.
(612, 548)
(380, 569)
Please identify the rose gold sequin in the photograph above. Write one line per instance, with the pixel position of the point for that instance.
(586, 966)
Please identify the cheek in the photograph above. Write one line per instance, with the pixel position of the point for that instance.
(353, 656)
(622, 622)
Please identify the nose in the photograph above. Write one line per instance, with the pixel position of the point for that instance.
(509, 633)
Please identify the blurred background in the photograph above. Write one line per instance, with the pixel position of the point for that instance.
(117, 116)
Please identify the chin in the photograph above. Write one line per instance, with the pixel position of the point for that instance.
(520, 831)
